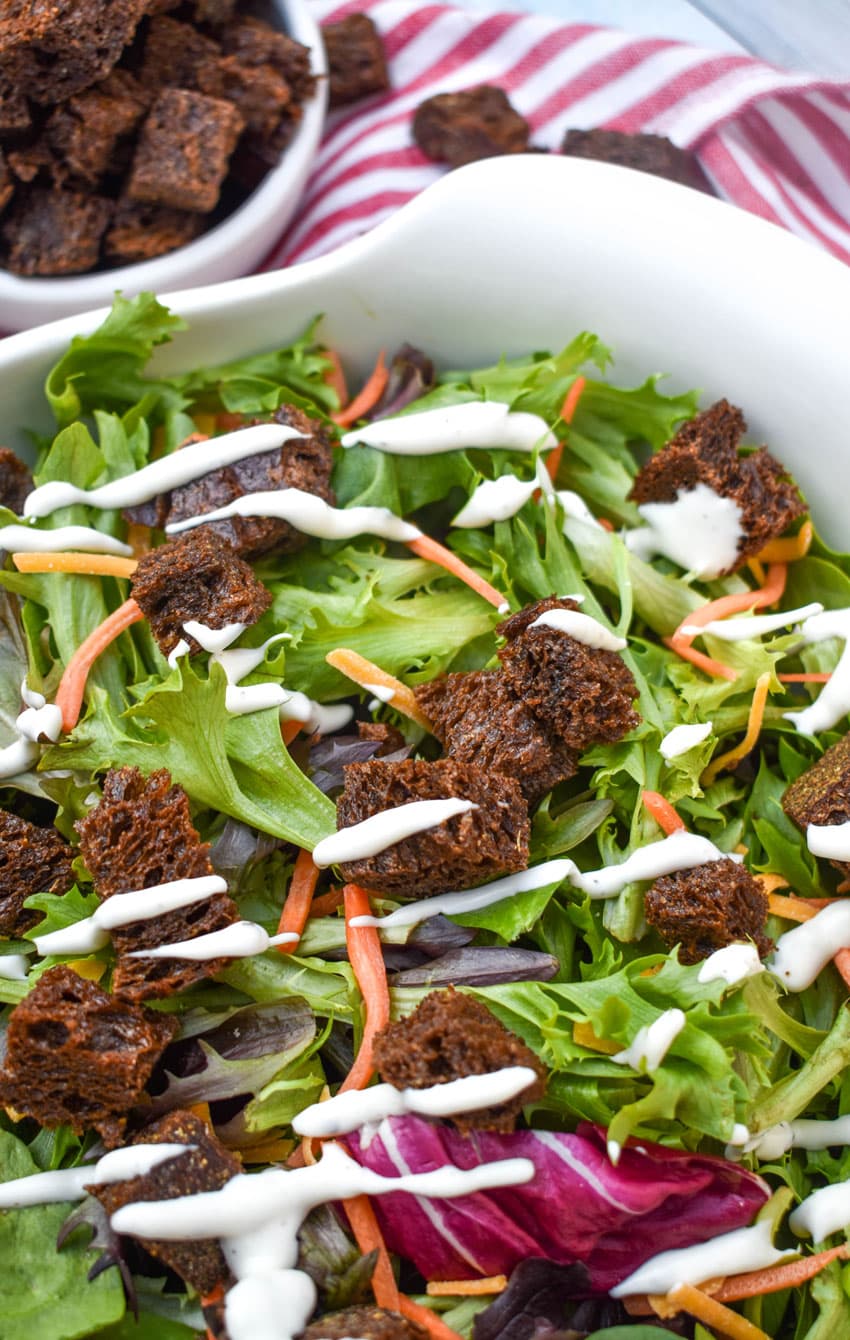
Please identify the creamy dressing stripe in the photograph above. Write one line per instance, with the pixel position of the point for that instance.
(495, 500)
(740, 630)
(732, 964)
(803, 952)
(28, 540)
(582, 628)
(380, 831)
(38, 720)
(701, 531)
(652, 1043)
(682, 738)
(309, 514)
(124, 909)
(63, 1184)
(733, 1253)
(476, 423)
(833, 702)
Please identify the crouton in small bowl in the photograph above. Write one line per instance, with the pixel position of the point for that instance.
(169, 152)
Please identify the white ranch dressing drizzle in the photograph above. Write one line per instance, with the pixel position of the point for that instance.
(214, 640)
(119, 1165)
(124, 909)
(242, 939)
(739, 630)
(582, 628)
(732, 964)
(700, 531)
(801, 953)
(495, 500)
(379, 831)
(801, 1134)
(309, 514)
(652, 1043)
(477, 423)
(258, 1217)
(28, 540)
(833, 702)
(347, 1111)
(823, 1213)
(13, 967)
(472, 900)
(253, 698)
(682, 738)
(830, 840)
(170, 472)
(733, 1253)
(679, 851)
(38, 720)
(574, 506)
(382, 692)
(180, 648)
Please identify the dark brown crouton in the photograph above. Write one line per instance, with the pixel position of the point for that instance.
(647, 153)
(366, 1323)
(259, 92)
(141, 834)
(35, 162)
(821, 795)
(53, 232)
(206, 1167)
(389, 737)
(52, 49)
(302, 463)
(357, 62)
(458, 128)
(173, 54)
(448, 1036)
(15, 118)
(7, 186)
(196, 576)
(76, 1055)
(581, 694)
(253, 42)
(708, 907)
(469, 849)
(16, 481)
(183, 151)
(214, 12)
(84, 132)
(479, 719)
(705, 451)
(32, 860)
(140, 232)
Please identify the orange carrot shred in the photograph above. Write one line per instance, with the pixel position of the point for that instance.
(437, 553)
(467, 1288)
(367, 962)
(69, 695)
(365, 673)
(791, 908)
(788, 550)
(753, 729)
(228, 422)
(428, 1320)
(299, 897)
(373, 389)
(334, 377)
(327, 903)
(568, 409)
(85, 565)
(739, 603)
(711, 1313)
(774, 1278)
(683, 648)
(842, 963)
(208, 1300)
(606, 524)
(369, 1238)
(814, 677)
(662, 812)
(289, 730)
(770, 881)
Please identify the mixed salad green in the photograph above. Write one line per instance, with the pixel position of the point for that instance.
(749, 1055)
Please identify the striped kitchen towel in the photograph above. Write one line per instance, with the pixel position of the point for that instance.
(777, 144)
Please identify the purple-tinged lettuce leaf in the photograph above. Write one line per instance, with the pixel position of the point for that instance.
(102, 1237)
(411, 375)
(481, 965)
(332, 753)
(578, 1207)
(539, 1304)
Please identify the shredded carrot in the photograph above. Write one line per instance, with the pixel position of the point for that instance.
(367, 961)
(815, 677)
(568, 409)
(334, 377)
(428, 1320)
(774, 1278)
(373, 389)
(758, 570)
(796, 909)
(789, 550)
(437, 553)
(228, 422)
(139, 538)
(369, 1238)
(467, 1288)
(69, 695)
(87, 565)
(289, 730)
(842, 962)
(662, 812)
(193, 437)
(606, 524)
(299, 897)
(768, 594)
(368, 675)
(584, 1036)
(327, 903)
(685, 1298)
(771, 882)
(753, 729)
(208, 1300)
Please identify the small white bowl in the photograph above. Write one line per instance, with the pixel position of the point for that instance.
(233, 247)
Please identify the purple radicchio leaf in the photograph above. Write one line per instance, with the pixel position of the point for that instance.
(411, 375)
(91, 1215)
(331, 753)
(538, 1302)
(237, 845)
(577, 1207)
(438, 935)
(481, 965)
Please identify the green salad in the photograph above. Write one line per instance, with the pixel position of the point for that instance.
(618, 927)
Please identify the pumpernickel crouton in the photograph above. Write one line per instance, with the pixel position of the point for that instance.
(183, 151)
(705, 451)
(196, 576)
(16, 481)
(207, 1166)
(478, 719)
(646, 153)
(583, 695)
(54, 232)
(470, 848)
(140, 232)
(448, 1036)
(821, 795)
(301, 463)
(259, 92)
(366, 1323)
(388, 737)
(32, 860)
(357, 62)
(83, 132)
(78, 1056)
(52, 49)
(7, 186)
(140, 835)
(708, 907)
(458, 128)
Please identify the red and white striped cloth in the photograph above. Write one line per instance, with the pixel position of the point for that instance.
(777, 144)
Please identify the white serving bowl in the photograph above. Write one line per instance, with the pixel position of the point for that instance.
(236, 246)
(520, 253)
